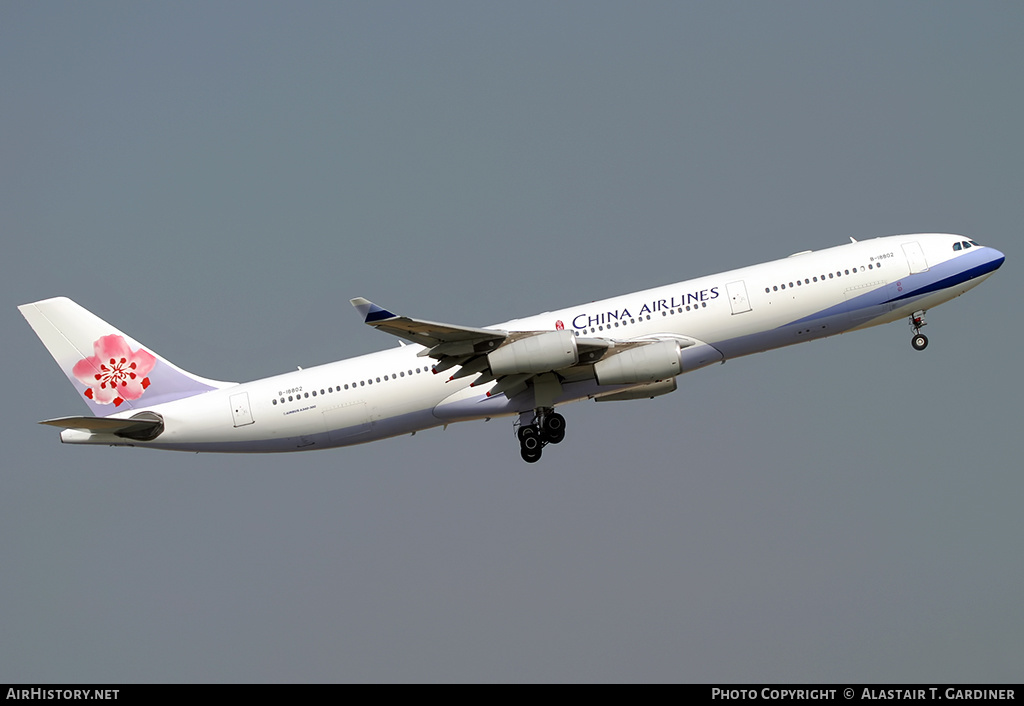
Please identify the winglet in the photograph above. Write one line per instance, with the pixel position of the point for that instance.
(370, 312)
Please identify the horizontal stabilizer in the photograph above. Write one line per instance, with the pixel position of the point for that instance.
(142, 427)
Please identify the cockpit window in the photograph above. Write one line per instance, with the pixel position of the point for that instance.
(973, 243)
(957, 246)
(967, 244)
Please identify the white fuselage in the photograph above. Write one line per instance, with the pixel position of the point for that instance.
(800, 298)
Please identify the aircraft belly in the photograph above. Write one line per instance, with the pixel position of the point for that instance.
(345, 421)
(474, 404)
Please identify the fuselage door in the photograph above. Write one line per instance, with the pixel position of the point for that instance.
(240, 410)
(738, 297)
(915, 257)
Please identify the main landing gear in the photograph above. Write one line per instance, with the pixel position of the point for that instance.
(919, 341)
(548, 427)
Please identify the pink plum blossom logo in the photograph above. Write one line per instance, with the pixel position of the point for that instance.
(115, 373)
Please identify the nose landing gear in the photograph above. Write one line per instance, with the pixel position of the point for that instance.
(548, 427)
(917, 322)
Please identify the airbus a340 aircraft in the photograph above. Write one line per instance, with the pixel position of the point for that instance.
(626, 348)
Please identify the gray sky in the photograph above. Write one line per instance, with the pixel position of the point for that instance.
(218, 179)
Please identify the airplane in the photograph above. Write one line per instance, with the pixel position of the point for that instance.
(628, 347)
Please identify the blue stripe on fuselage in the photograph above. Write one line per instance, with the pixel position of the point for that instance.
(944, 275)
(958, 277)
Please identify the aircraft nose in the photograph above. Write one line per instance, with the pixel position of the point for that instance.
(996, 260)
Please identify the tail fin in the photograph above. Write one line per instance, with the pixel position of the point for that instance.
(111, 370)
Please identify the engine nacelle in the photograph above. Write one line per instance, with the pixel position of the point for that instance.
(551, 350)
(654, 361)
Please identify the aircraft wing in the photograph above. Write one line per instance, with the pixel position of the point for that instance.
(450, 345)
(469, 349)
(426, 333)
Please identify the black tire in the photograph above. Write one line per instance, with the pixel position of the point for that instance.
(919, 342)
(530, 456)
(554, 428)
(530, 443)
(525, 431)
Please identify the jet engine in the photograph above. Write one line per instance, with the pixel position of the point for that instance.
(551, 350)
(647, 363)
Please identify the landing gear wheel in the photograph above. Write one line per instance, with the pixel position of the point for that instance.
(530, 456)
(530, 443)
(554, 428)
(919, 342)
